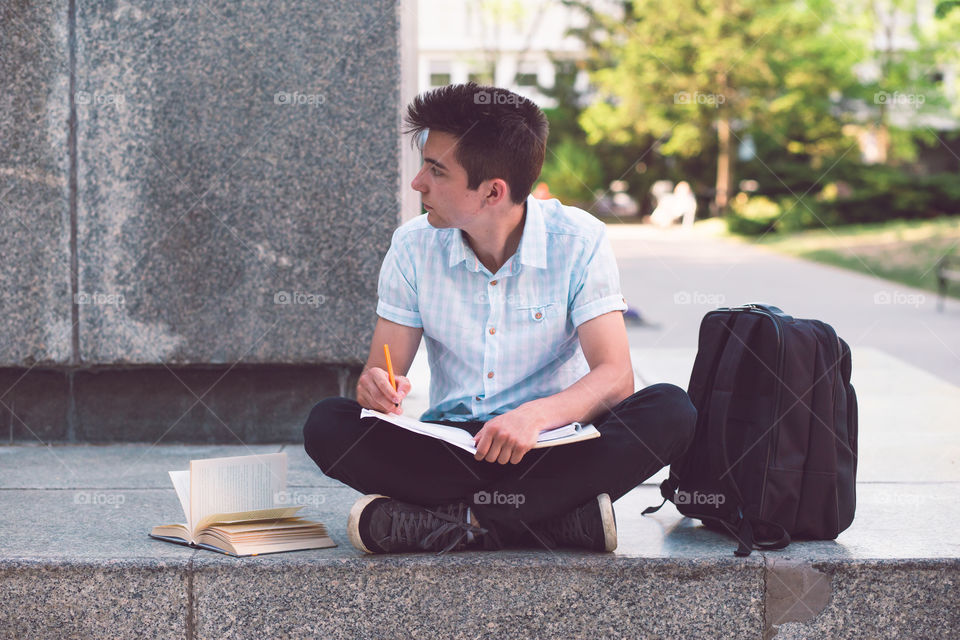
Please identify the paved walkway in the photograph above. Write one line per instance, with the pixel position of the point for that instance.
(673, 277)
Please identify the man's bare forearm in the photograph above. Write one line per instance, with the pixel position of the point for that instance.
(593, 394)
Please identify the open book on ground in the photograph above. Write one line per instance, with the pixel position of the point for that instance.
(234, 505)
(573, 432)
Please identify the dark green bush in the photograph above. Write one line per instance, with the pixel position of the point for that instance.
(869, 193)
(805, 213)
(573, 172)
(752, 216)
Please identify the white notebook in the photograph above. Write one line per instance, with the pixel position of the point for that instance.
(573, 432)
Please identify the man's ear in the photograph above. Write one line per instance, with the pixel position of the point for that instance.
(497, 191)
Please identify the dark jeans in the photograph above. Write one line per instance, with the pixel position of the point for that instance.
(641, 435)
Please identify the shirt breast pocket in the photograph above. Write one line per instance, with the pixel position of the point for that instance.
(545, 313)
(540, 330)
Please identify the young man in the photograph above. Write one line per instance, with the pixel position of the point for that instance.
(520, 306)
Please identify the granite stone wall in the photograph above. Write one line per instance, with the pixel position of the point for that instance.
(195, 200)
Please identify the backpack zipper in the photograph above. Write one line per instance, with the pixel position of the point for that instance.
(772, 442)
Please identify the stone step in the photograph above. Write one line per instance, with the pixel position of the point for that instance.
(75, 539)
(78, 545)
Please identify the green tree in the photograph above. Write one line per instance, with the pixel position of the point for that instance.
(910, 47)
(688, 71)
(572, 172)
(575, 171)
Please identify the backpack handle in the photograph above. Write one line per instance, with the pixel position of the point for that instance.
(747, 541)
(769, 308)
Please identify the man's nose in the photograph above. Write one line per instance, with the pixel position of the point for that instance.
(417, 183)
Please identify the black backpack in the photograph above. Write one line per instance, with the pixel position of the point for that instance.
(775, 449)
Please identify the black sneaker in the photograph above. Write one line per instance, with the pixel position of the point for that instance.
(378, 524)
(590, 526)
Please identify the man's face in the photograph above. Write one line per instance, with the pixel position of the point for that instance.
(442, 183)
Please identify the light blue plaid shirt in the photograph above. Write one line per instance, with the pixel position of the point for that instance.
(495, 341)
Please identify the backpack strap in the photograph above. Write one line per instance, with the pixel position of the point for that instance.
(747, 542)
(742, 532)
(667, 488)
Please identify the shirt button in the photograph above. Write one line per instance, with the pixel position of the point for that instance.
(538, 316)
(492, 331)
(494, 282)
(490, 374)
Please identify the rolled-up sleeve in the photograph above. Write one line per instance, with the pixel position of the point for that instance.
(597, 290)
(397, 286)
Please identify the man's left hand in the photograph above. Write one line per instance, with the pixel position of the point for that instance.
(508, 437)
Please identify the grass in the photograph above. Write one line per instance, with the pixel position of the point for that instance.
(904, 251)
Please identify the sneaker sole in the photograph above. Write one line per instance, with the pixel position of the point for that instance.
(353, 520)
(609, 522)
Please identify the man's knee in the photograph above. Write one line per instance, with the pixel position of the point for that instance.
(679, 416)
(327, 427)
(673, 417)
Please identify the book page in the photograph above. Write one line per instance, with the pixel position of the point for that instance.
(234, 484)
(585, 432)
(573, 432)
(181, 484)
(560, 432)
(275, 514)
(454, 435)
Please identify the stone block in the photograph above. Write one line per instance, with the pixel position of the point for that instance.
(238, 179)
(35, 323)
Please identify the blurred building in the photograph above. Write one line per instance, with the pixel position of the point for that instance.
(895, 38)
(507, 43)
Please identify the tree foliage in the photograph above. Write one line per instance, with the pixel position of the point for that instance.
(687, 72)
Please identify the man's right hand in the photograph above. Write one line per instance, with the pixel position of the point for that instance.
(374, 391)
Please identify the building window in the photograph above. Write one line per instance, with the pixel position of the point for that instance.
(439, 79)
(526, 80)
(481, 77)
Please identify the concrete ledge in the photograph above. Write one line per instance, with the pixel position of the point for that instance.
(105, 599)
(76, 560)
(862, 599)
(503, 595)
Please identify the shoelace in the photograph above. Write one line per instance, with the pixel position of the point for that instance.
(409, 526)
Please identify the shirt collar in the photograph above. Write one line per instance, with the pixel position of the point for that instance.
(459, 250)
(533, 243)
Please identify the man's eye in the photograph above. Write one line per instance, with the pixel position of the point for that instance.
(436, 171)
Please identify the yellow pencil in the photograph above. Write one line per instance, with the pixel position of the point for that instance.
(393, 379)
